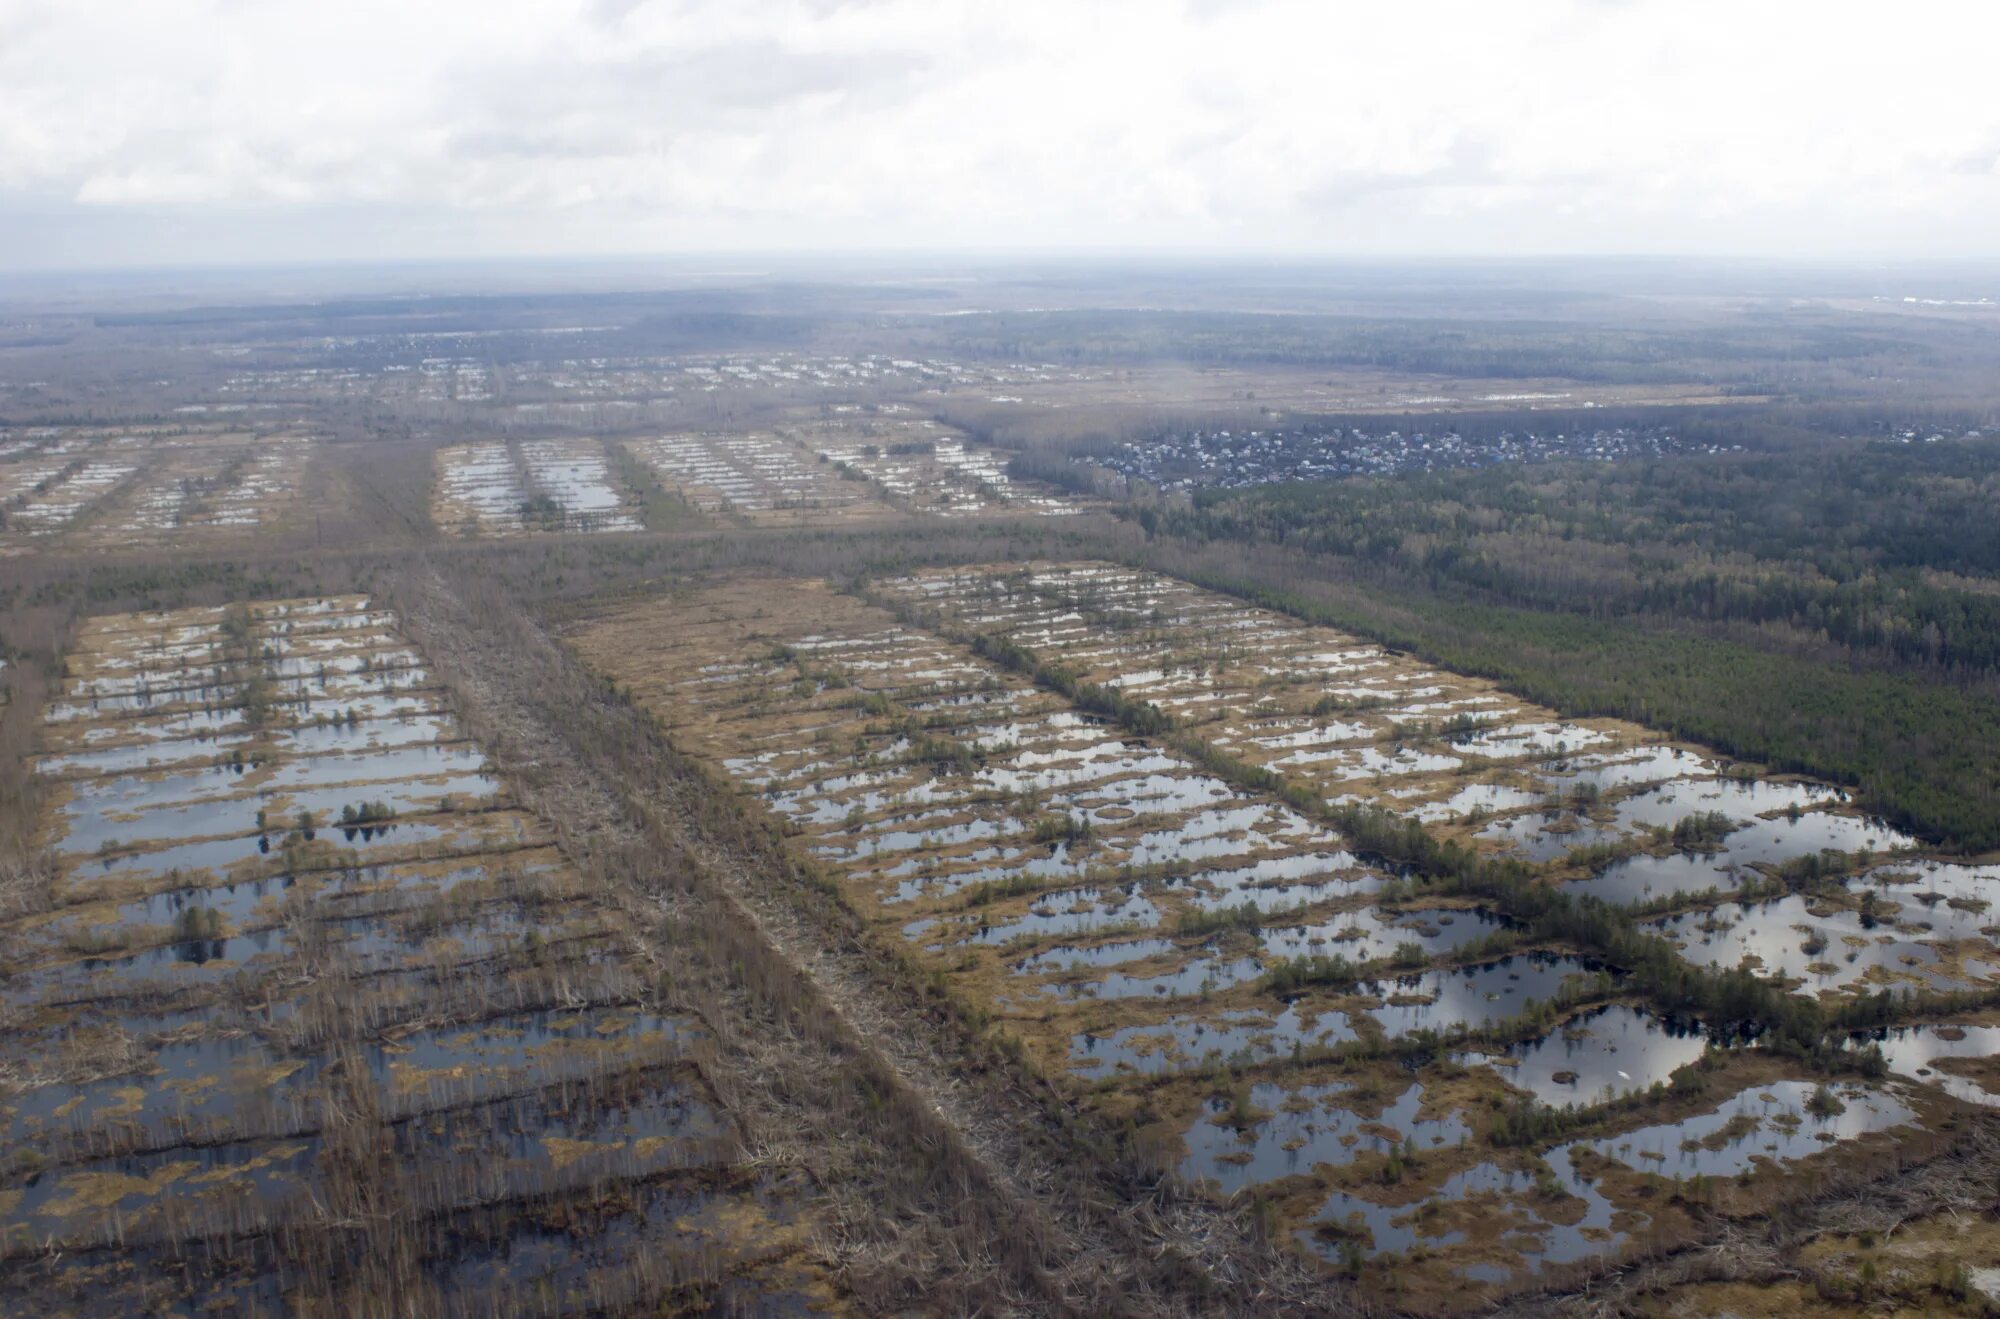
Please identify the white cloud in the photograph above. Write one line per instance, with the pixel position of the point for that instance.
(1465, 126)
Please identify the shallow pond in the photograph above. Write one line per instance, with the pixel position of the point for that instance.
(1369, 935)
(1915, 1051)
(1202, 975)
(1454, 999)
(1184, 1042)
(1598, 1054)
(1305, 1126)
(1835, 948)
(1774, 1123)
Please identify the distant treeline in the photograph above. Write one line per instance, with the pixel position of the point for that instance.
(1725, 353)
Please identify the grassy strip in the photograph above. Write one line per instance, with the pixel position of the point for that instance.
(660, 509)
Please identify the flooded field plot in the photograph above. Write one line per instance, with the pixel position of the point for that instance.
(497, 488)
(927, 467)
(1610, 805)
(1775, 873)
(763, 478)
(1316, 389)
(134, 488)
(307, 981)
(1083, 879)
(617, 388)
(1047, 384)
(1592, 1199)
(813, 374)
(1928, 926)
(1145, 927)
(832, 470)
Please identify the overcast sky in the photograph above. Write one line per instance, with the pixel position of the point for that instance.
(206, 131)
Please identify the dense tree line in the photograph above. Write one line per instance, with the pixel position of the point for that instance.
(1867, 546)
(1733, 352)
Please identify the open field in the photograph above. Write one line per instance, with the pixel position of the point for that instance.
(1042, 795)
(500, 489)
(819, 474)
(762, 478)
(1309, 391)
(1595, 803)
(928, 468)
(1132, 915)
(826, 472)
(300, 968)
(578, 383)
(64, 489)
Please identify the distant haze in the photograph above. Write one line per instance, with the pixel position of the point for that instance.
(217, 131)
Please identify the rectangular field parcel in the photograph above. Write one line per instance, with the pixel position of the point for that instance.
(316, 1016)
(1106, 807)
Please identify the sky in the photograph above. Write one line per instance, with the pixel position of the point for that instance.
(204, 132)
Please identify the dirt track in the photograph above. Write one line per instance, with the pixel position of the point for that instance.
(954, 1180)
